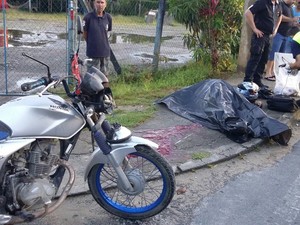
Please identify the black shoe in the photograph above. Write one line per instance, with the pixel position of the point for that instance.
(261, 85)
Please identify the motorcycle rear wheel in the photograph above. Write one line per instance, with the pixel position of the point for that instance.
(152, 178)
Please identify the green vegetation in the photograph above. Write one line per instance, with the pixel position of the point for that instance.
(214, 27)
(136, 91)
(200, 155)
(15, 14)
(129, 20)
(130, 118)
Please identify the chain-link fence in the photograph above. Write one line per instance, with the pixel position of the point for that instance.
(44, 29)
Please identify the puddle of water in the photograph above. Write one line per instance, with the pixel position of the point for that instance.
(30, 39)
(17, 38)
(134, 38)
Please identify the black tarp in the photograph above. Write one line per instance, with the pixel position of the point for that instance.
(217, 105)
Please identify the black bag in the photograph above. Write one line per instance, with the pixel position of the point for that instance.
(264, 93)
(282, 103)
(237, 129)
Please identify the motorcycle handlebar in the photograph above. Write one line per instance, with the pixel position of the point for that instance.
(31, 85)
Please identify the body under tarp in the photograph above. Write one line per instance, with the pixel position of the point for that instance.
(217, 105)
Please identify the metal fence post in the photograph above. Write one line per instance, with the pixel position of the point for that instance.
(72, 34)
(159, 27)
(5, 44)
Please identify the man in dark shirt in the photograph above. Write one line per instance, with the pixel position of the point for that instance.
(96, 25)
(264, 17)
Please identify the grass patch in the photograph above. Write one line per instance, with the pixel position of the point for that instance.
(128, 20)
(139, 87)
(130, 119)
(15, 14)
(200, 155)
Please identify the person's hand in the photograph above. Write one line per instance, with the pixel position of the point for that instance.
(295, 21)
(291, 69)
(274, 33)
(258, 33)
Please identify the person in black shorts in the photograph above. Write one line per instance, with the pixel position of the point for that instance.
(96, 25)
(264, 18)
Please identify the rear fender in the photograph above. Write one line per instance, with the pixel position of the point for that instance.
(120, 150)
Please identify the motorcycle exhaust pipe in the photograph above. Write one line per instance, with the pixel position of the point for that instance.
(9, 219)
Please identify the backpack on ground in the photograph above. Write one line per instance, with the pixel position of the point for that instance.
(282, 103)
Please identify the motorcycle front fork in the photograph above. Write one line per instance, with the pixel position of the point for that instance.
(101, 139)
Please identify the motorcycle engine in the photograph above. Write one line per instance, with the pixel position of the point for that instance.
(35, 194)
(31, 185)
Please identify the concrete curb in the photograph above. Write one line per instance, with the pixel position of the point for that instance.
(224, 153)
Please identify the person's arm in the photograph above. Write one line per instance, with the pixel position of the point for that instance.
(250, 21)
(85, 26)
(296, 64)
(277, 25)
(289, 19)
(85, 35)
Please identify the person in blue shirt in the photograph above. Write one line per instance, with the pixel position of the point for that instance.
(96, 25)
(281, 40)
(296, 14)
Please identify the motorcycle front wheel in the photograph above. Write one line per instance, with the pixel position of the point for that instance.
(151, 177)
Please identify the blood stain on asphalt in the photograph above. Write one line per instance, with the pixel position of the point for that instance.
(166, 138)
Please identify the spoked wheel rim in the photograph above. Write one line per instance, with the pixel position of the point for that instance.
(150, 185)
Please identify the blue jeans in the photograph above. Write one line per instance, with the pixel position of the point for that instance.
(280, 43)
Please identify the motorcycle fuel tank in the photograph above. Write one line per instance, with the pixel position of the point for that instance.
(47, 116)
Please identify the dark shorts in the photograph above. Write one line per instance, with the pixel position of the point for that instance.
(295, 47)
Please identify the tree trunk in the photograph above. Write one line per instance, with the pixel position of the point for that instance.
(245, 41)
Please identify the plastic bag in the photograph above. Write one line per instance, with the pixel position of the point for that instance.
(287, 80)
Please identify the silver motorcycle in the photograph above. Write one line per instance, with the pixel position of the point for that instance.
(38, 132)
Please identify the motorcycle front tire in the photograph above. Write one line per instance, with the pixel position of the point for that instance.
(151, 176)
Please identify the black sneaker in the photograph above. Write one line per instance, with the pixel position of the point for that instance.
(261, 85)
(264, 87)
